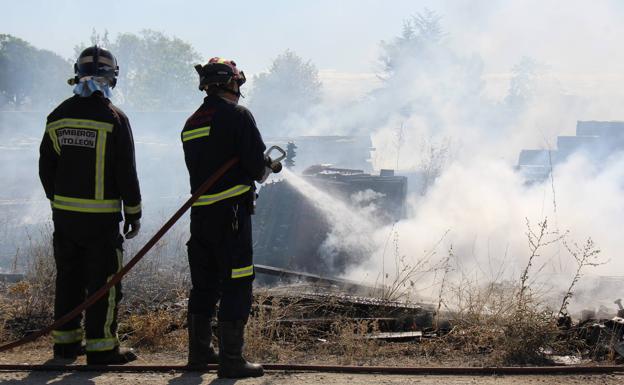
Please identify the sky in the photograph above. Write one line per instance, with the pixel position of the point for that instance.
(344, 35)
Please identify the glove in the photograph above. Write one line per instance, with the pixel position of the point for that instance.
(270, 167)
(135, 225)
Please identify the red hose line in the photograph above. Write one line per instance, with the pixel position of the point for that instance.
(117, 277)
(474, 371)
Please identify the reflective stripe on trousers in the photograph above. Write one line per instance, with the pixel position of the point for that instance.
(112, 304)
(243, 272)
(237, 190)
(67, 336)
(102, 344)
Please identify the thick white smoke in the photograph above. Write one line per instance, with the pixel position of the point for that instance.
(434, 113)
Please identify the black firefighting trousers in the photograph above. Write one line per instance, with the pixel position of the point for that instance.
(221, 261)
(85, 260)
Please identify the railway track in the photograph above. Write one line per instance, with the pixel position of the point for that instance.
(395, 370)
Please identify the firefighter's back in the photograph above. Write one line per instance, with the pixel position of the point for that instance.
(85, 134)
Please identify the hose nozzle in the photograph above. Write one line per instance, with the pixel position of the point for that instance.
(275, 164)
(272, 165)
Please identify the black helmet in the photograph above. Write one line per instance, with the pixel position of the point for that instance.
(219, 72)
(97, 62)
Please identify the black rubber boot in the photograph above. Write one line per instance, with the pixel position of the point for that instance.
(231, 361)
(116, 356)
(68, 351)
(200, 348)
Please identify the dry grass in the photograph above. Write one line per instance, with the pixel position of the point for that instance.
(28, 305)
(155, 331)
(508, 320)
(500, 322)
(276, 332)
(349, 343)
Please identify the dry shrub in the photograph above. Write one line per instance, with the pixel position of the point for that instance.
(348, 341)
(277, 332)
(490, 321)
(507, 319)
(153, 312)
(29, 305)
(156, 330)
(5, 308)
(269, 334)
(154, 298)
(528, 333)
(153, 285)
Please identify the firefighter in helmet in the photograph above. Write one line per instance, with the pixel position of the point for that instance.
(87, 169)
(220, 246)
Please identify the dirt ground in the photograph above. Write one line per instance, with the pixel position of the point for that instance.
(40, 353)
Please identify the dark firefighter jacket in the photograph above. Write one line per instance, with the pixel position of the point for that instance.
(215, 133)
(87, 164)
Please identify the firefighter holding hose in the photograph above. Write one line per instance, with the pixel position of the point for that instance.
(220, 246)
(87, 169)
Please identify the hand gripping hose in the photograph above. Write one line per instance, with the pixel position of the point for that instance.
(117, 277)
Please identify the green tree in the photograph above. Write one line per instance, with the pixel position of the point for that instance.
(155, 71)
(291, 153)
(421, 73)
(523, 82)
(31, 77)
(159, 71)
(290, 87)
(421, 34)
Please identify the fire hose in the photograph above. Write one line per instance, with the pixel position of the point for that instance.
(117, 277)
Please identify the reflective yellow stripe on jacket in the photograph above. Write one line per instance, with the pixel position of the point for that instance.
(206, 200)
(132, 209)
(80, 123)
(101, 127)
(196, 133)
(87, 205)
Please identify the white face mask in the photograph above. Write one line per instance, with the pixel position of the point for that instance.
(89, 84)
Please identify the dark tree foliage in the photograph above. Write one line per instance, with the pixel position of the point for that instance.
(291, 86)
(155, 71)
(31, 78)
(420, 34)
(291, 153)
(421, 72)
(522, 83)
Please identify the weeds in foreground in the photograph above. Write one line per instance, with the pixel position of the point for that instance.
(280, 330)
(501, 322)
(402, 283)
(28, 305)
(508, 318)
(157, 330)
(586, 256)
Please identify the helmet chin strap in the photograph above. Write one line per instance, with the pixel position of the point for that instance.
(231, 91)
